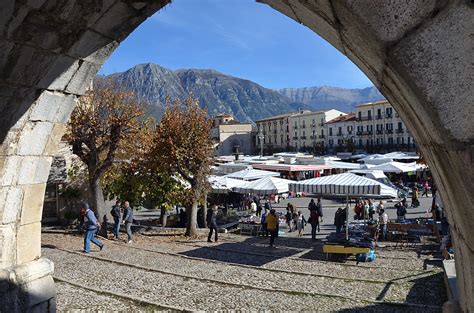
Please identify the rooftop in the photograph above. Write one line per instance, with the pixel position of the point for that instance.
(373, 103)
(343, 118)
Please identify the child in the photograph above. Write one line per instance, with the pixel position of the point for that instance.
(300, 223)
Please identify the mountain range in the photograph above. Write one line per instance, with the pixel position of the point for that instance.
(221, 93)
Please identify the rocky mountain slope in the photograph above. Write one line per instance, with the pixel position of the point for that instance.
(221, 93)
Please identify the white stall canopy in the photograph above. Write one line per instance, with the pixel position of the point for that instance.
(346, 184)
(265, 186)
(252, 174)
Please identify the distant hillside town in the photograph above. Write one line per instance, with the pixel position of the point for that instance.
(374, 127)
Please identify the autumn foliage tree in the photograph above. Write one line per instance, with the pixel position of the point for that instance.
(104, 120)
(131, 178)
(182, 145)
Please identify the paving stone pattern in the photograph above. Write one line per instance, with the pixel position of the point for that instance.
(238, 273)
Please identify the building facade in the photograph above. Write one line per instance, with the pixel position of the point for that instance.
(308, 129)
(341, 133)
(380, 129)
(274, 133)
(231, 136)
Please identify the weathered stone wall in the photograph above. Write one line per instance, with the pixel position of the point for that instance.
(418, 53)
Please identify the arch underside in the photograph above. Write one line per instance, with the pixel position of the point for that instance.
(419, 55)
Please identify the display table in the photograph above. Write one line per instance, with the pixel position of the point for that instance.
(339, 249)
(251, 229)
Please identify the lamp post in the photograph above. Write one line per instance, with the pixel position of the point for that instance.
(261, 137)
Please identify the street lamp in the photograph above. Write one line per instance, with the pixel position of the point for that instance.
(261, 136)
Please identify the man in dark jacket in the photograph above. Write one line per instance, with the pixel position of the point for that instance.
(211, 223)
(128, 219)
(116, 212)
(91, 224)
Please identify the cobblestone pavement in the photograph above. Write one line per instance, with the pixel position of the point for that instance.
(238, 273)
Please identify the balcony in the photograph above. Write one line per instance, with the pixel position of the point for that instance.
(313, 137)
(379, 132)
(322, 136)
(365, 118)
(295, 127)
(303, 137)
(295, 138)
(367, 132)
(399, 131)
(275, 131)
(339, 134)
(358, 133)
(379, 117)
(389, 131)
(304, 126)
(388, 116)
(313, 125)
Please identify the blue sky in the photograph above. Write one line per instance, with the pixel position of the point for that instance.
(241, 38)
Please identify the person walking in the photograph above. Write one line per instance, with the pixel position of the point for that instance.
(426, 188)
(371, 209)
(383, 221)
(211, 223)
(414, 197)
(91, 224)
(116, 213)
(263, 221)
(339, 219)
(401, 211)
(380, 206)
(128, 219)
(366, 209)
(253, 207)
(313, 218)
(289, 216)
(300, 223)
(319, 207)
(272, 226)
(358, 209)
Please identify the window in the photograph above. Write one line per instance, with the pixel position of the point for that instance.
(389, 126)
(379, 113)
(388, 112)
(340, 130)
(330, 131)
(360, 115)
(390, 141)
(360, 143)
(369, 128)
(349, 129)
(400, 125)
(369, 114)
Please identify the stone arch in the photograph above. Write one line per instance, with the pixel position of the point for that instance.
(419, 54)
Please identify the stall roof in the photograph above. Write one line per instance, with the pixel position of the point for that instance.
(346, 184)
(251, 174)
(395, 167)
(265, 186)
(292, 167)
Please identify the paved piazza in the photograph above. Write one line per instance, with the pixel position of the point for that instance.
(239, 273)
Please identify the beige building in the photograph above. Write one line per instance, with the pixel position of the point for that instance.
(275, 132)
(307, 128)
(341, 133)
(231, 136)
(380, 128)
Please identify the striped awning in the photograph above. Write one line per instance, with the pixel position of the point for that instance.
(346, 184)
(251, 174)
(265, 186)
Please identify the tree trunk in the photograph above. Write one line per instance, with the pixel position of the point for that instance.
(191, 229)
(98, 202)
(163, 217)
(204, 211)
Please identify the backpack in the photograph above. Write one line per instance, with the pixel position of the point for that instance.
(112, 212)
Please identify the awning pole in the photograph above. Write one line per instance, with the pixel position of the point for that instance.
(347, 217)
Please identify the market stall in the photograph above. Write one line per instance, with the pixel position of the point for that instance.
(251, 174)
(346, 185)
(264, 186)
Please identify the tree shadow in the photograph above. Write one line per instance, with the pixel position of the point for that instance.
(243, 253)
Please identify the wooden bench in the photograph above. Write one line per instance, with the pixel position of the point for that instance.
(339, 249)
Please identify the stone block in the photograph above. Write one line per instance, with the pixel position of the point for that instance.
(54, 139)
(117, 22)
(388, 20)
(10, 202)
(32, 205)
(8, 241)
(28, 242)
(9, 171)
(7, 8)
(440, 54)
(53, 106)
(33, 138)
(29, 272)
(82, 78)
(89, 43)
(34, 170)
(101, 55)
(39, 292)
(59, 74)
